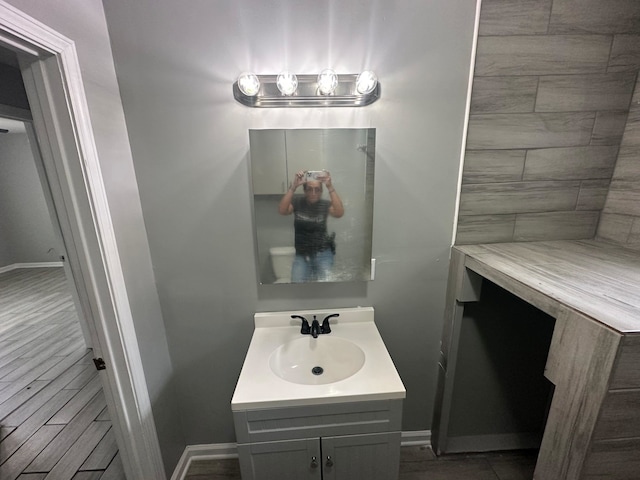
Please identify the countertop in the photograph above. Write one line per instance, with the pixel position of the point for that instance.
(597, 279)
(259, 387)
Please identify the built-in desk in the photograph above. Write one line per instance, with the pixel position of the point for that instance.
(593, 291)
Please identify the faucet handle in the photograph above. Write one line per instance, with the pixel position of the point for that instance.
(305, 329)
(325, 323)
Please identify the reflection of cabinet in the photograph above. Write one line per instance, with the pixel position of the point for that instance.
(321, 442)
(268, 162)
(276, 155)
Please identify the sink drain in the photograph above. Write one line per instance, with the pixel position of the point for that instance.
(317, 370)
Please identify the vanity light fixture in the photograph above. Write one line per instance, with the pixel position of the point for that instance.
(327, 81)
(366, 82)
(327, 89)
(287, 83)
(248, 84)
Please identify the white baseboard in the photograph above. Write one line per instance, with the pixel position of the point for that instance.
(417, 437)
(15, 266)
(230, 450)
(203, 452)
(492, 443)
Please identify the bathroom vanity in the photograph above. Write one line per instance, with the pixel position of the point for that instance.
(295, 421)
(592, 289)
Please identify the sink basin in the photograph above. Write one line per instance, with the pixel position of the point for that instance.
(316, 361)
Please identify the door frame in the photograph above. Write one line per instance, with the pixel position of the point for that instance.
(54, 86)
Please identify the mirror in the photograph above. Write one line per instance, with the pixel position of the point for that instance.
(321, 230)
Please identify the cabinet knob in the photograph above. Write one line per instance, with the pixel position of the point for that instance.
(314, 462)
(329, 461)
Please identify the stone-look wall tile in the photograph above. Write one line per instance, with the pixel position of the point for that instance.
(518, 197)
(485, 229)
(503, 94)
(609, 128)
(593, 194)
(514, 17)
(572, 163)
(493, 166)
(529, 130)
(578, 59)
(628, 164)
(634, 236)
(623, 198)
(625, 54)
(533, 227)
(614, 228)
(542, 54)
(595, 16)
(631, 136)
(572, 93)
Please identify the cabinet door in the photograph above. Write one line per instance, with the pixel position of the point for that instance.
(374, 457)
(268, 162)
(288, 460)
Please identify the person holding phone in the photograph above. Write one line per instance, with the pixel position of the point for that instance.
(315, 248)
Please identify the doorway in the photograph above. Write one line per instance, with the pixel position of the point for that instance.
(53, 415)
(52, 77)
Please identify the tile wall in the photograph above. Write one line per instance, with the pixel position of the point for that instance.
(620, 219)
(552, 87)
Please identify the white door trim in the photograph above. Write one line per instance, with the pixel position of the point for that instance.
(61, 119)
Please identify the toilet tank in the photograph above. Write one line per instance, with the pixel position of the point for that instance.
(282, 261)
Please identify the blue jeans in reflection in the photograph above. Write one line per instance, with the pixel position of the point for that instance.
(312, 268)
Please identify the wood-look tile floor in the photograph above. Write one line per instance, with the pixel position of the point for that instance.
(53, 419)
(416, 463)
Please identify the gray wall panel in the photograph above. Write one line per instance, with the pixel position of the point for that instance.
(533, 227)
(529, 130)
(518, 197)
(572, 93)
(542, 54)
(595, 16)
(573, 163)
(625, 54)
(593, 194)
(492, 166)
(514, 17)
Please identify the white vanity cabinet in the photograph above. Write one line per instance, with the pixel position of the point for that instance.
(329, 442)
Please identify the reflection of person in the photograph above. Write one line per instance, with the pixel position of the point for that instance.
(314, 247)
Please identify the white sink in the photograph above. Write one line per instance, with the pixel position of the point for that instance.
(316, 361)
(277, 370)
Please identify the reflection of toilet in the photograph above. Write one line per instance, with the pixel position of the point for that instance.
(282, 261)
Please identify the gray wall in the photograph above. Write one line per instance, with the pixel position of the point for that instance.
(620, 220)
(83, 22)
(552, 85)
(26, 233)
(176, 65)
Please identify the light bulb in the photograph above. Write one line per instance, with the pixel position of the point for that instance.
(327, 81)
(248, 84)
(287, 83)
(366, 82)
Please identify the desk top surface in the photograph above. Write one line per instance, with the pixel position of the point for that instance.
(599, 280)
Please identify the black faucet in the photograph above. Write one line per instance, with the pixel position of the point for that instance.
(325, 323)
(305, 330)
(315, 328)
